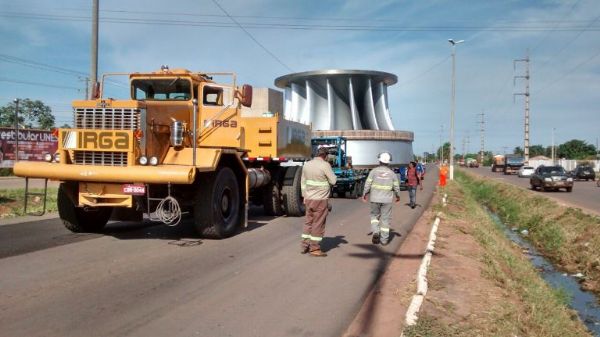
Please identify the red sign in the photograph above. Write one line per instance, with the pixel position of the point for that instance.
(33, 145)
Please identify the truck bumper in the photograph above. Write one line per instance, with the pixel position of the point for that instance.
(161, 174)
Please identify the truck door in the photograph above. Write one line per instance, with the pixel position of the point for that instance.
(219, 123)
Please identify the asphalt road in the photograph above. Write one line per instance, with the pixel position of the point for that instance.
(585, 195)
(154, 280)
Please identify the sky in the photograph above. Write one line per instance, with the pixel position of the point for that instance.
(45, 56)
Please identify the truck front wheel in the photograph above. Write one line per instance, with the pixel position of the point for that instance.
(217, 205)
(80, 219)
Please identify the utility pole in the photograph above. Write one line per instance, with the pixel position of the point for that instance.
(463, 148)
(553, 148)
(451, 159)
(481, 135)
(94, 50)
(526, 94)
(16, 129)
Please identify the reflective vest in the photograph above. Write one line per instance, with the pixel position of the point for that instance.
(382, 185)
(317, 179)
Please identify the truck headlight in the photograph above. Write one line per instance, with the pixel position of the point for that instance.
(48, 157)
(143, 160)
(569, 179)
(153, 161)
(57, 157)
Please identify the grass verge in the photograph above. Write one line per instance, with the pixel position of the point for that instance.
(12, 202)
(565, 235)
(512, 300)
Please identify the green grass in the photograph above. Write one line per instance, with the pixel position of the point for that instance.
(12, 202)
(530, 307)
(567, 236)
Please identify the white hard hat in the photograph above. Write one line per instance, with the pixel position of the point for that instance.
(385, 157)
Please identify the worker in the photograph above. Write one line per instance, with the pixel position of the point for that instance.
(382, 185)
(413, 179)
(443, 175)
(420, 169)
(317, 179)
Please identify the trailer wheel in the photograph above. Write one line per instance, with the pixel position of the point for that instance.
(292, 192)
(355, 190)
(217, 205)
(79, 219)
(272, 202)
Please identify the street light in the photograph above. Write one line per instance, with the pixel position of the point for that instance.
(553, 150)
(16, 129)
(453, 43)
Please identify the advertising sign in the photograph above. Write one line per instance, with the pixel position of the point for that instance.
(33, 145)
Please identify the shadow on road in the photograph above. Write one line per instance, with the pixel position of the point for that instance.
(330, 243)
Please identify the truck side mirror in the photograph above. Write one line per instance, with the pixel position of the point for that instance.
(246, 95)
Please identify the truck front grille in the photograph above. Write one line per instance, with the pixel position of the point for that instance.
(106, 118)
(100, 158)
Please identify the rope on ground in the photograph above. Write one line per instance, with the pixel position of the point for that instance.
(419, 297)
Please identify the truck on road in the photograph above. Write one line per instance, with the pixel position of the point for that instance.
(498, 163)
(178, 144)
(512, 163)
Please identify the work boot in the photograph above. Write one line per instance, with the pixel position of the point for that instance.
(375, 238)
(304, 250)
(318, 253)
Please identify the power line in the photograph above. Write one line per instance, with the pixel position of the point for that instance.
(252, 37)
(297, 26)
(4, 79)
(424, 72)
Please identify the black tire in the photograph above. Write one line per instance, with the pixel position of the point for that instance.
(533, 188)
(217, 205)
(569, 189)
(272, 200)
(292, 193)
(80, 219)
(341, 194)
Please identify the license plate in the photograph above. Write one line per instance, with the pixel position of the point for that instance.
(133, 189)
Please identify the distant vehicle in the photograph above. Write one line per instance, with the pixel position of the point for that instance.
(551, 178)
(525, 171)
(584, 172)
(512, 163)
(472, 162)
(498, 163)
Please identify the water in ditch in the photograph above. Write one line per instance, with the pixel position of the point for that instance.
(585, 303)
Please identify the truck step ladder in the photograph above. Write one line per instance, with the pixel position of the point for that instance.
(43, 194)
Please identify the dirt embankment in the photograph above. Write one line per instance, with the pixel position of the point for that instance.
(480, 284)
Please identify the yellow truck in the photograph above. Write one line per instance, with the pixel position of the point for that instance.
(178, 145)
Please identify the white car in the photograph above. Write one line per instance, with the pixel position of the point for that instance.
(526, 171)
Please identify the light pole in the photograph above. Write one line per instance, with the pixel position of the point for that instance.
(16, 129)
(453, 43)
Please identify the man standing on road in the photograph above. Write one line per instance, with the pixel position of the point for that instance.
(412, 181)
(382, 185)
(420, 169)
(316, 182)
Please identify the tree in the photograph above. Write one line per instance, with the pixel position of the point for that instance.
(518, 150)
(445, 151)
(31, 114)
(537, 150)
(576, 149)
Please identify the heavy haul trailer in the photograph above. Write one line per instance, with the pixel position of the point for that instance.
(178, 145)
(350, 181)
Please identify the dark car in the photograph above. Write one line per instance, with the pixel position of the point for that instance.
(551, 178)
(585, 172)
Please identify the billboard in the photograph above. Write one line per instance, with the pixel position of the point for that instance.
(33, 144)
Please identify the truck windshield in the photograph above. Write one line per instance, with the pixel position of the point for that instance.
(514, 160)
(168, 89)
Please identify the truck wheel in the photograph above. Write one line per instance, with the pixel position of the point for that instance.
(217, 205)
(272, 199)
(292, 193)
(79, 219)
(569, 189)
(355, 190)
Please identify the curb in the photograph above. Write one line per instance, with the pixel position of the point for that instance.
(422, 286)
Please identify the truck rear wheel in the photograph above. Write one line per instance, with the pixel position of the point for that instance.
(272, 202)
(79, 219)
(292, 192)
(217, 205)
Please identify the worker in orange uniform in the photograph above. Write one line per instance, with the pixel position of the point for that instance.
(316, 182)
(443, 175)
